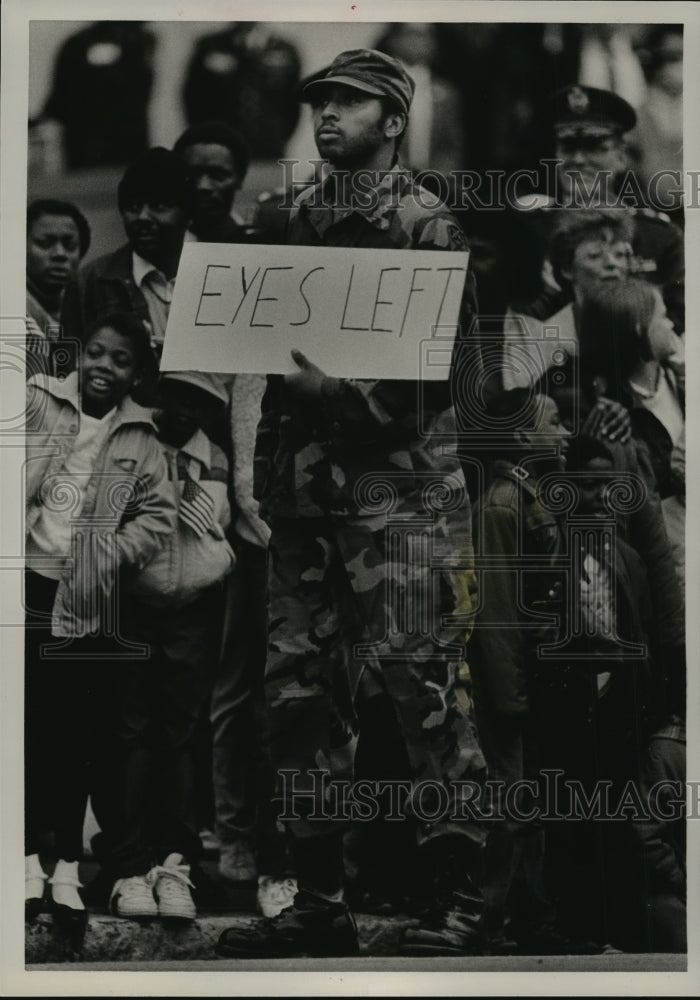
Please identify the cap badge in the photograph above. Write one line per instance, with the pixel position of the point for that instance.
(578, 101)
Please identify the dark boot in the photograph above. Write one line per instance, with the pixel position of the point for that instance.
(453, 922)
(311, 926)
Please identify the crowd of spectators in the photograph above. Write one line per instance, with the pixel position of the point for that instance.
(147, 555)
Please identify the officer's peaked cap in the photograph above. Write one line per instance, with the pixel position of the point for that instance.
(588, 112)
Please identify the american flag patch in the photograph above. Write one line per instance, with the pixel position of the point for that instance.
(196, 507)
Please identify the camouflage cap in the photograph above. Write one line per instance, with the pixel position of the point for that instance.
(580, 112)
(367, 70)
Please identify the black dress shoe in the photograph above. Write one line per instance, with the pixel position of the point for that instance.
(309, 927)
(453, 921)
(33, 907)
(453, 926)
(97, 892)
(72, 923)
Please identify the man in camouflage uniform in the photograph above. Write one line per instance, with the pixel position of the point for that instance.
(370, 550)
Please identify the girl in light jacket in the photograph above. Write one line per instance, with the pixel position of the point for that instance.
(97, 506)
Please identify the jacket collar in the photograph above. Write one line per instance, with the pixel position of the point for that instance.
(231, 230)
(375, 206)
(199, 448)
(66, 391)
(117, 265)
(38, 307)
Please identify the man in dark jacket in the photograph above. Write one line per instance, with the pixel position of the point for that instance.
(154, 202)
(216, 158)
(336, 635)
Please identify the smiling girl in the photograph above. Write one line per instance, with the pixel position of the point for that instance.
(97, 504)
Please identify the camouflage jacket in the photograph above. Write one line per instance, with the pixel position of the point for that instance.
(310, 457)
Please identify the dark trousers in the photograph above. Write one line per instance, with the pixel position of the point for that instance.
(68, 710)
(515, 849)
(598, 743)
(242, 767)
(142, 795)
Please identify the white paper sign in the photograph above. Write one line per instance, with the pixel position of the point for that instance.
(354, 313)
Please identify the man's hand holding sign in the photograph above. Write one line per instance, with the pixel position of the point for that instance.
(308, 382)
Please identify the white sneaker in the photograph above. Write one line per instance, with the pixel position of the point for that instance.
(133, 898)
(275, 894)
(171, 887)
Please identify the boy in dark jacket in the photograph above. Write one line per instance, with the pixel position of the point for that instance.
(523, 540)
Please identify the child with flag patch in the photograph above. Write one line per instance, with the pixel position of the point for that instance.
(177, 609)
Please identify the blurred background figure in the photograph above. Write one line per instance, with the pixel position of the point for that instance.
(101, 87)
(608, 60)
(435, 137)
(246, 76)
(502, 73)
(657, 142)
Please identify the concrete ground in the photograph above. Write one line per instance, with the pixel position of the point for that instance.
(117, 944)
(114, 944)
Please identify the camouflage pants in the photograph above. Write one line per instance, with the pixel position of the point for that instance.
(350, 598)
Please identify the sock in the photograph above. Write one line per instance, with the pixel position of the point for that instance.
(175, 860)
(319, 864)
(34, 877)
(65, 885)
